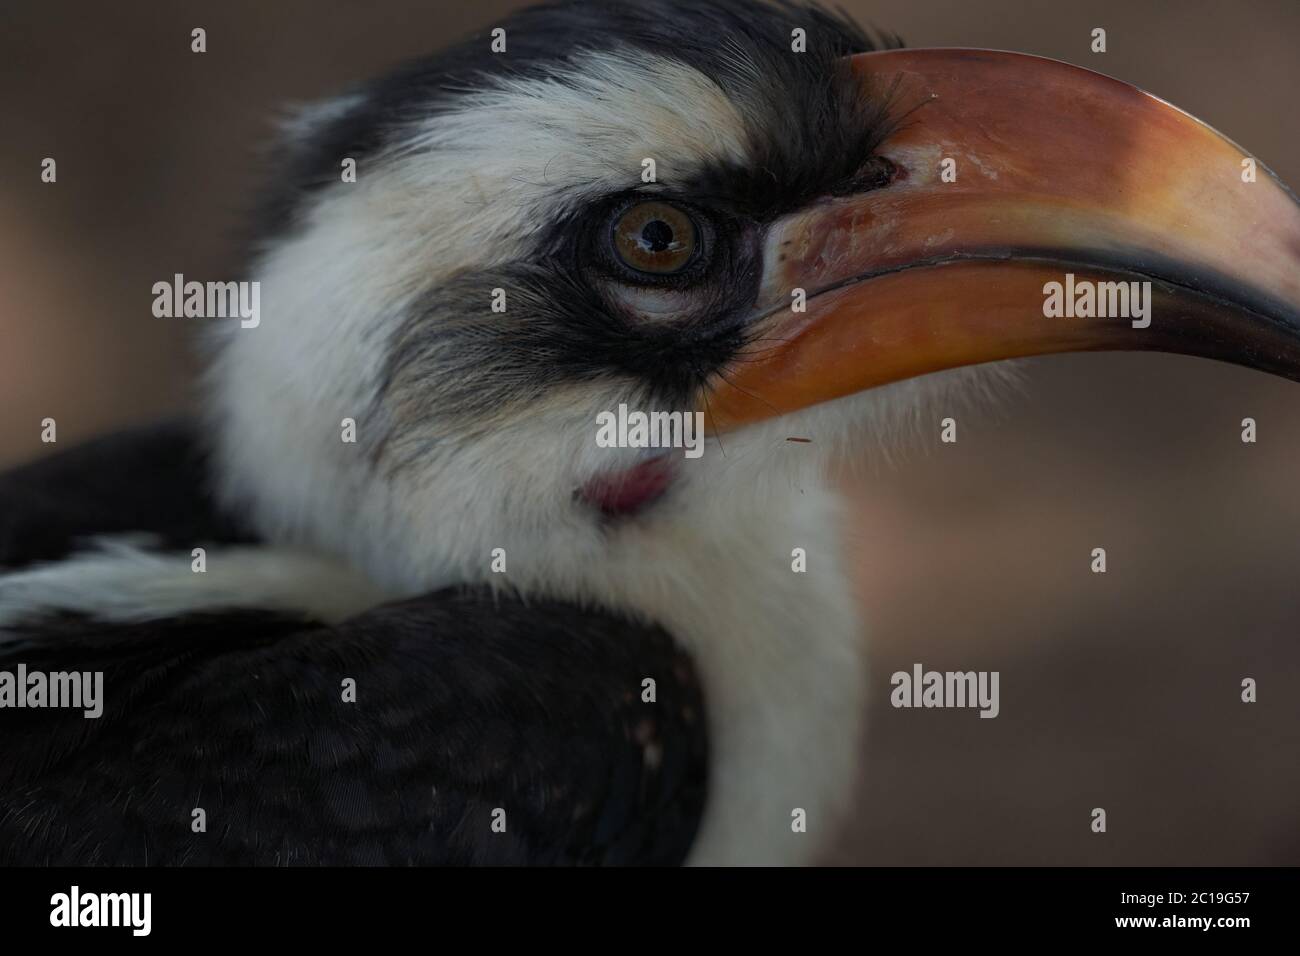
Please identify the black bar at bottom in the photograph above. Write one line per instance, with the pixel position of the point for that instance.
(330, 906)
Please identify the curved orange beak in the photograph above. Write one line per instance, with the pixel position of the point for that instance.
(1036, 207)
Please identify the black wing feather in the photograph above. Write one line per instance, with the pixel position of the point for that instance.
(152, 480)
(465, 702)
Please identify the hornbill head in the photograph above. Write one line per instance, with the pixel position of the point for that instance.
(823, 218)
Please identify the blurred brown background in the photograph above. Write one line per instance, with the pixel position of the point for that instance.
(1118, 690)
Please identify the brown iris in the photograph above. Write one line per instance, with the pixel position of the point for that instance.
(655, 237)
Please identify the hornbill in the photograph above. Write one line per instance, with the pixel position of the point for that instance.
(604, 650)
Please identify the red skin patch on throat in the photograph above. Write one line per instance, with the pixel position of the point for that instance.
(628, 491)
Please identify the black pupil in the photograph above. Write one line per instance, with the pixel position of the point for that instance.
(657, 235)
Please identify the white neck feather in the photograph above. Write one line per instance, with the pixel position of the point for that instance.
(781, 655)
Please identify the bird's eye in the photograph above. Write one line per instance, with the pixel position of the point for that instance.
(655, 238)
